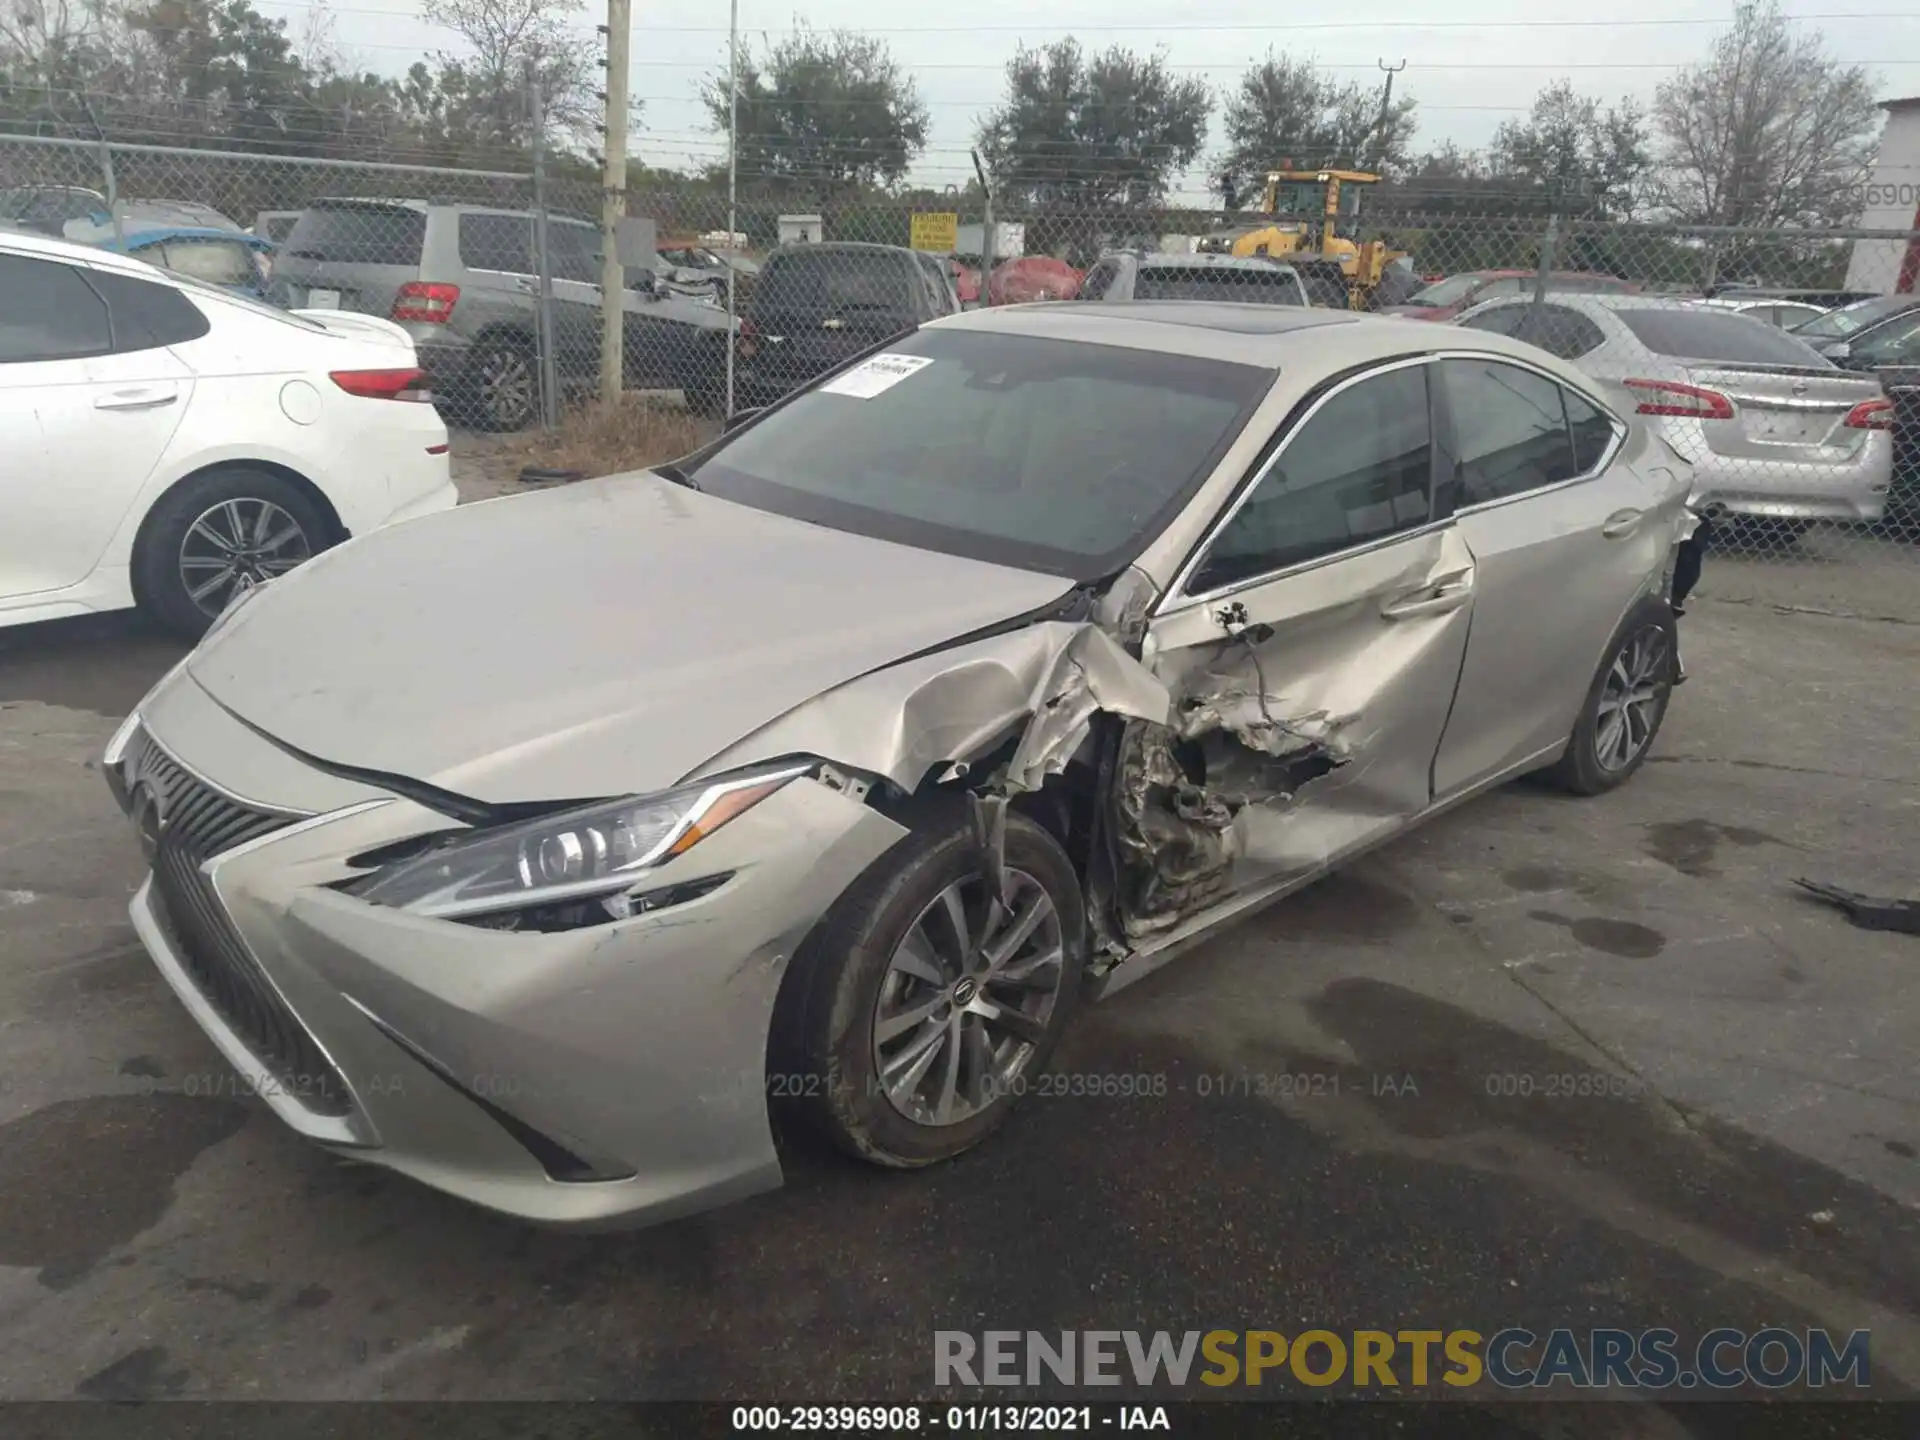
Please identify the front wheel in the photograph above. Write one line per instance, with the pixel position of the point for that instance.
(925, 1005)
(1625, 704)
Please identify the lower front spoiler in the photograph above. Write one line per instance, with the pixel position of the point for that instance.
(513, 1185)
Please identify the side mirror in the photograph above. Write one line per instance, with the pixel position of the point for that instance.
(739, 418)
(1840, 352)
(643, 281)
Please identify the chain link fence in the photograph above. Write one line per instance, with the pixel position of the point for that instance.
(1782, 366)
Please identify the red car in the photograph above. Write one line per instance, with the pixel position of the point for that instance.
(1449, 297)
(1032, 277)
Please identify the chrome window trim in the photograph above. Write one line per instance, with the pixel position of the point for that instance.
(1178, 600)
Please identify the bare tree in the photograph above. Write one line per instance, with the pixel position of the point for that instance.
(1594, 159)
(1767, 131)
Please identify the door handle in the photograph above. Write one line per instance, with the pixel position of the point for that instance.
(147, 398)
(1622, 523)
(1430, 600)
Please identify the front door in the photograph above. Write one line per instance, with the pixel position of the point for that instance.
(1312, 650)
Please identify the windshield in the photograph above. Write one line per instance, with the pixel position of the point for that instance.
(359, 234)
(1849, 319)
(234, 297)
(1707, 335)
(1450, 291)
(1217, 282)
(1046, 455)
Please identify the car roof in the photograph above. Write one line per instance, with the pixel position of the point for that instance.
(155, 234)
(1180, 260)
(841, 247)
(72, 252)
(1268, 336)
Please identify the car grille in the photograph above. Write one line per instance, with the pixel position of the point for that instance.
(200, 822)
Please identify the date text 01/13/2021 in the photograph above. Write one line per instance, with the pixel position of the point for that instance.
(962, 1419)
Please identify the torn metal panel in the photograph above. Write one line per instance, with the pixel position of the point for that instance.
(1090, 676)
(933, 713)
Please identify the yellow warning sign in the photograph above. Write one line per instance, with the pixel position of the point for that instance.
(935, 232)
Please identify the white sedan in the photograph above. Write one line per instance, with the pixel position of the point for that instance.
(170, 445)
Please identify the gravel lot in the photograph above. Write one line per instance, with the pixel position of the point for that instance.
(1756, 1163)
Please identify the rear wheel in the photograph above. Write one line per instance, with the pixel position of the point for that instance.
(1625, 704)
(219, 534)
(923, 1006)
(501, 388)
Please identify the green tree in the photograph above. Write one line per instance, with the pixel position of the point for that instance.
(481, 99)
(826, 113)
(1284, 108)
(1093, 131)
(1595, 160)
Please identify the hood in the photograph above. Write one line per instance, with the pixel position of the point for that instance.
(600, 639)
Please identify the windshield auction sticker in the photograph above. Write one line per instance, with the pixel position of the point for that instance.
(876, 375)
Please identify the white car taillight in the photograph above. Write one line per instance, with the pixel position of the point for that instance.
(1870, 415)
(409, 384)
(1670, 397)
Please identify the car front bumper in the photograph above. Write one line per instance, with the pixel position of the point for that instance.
(605, 1076)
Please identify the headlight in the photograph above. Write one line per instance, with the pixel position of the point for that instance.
(578, 854)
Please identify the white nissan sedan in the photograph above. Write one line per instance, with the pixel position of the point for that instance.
(171, 445)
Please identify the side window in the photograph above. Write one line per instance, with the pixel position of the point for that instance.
(1099, 280)
(47, 312)
(1358, 470)
(1557, 330)
(1591, 429)
(573, 252)
(1509, 430)
(1499, 321)
(497, 242)
(933, 283)
(146, 315)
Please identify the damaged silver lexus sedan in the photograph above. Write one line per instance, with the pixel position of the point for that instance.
(550, 850)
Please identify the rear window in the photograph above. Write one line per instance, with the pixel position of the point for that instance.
(359, 235)
(218, 262)
(1703, 335)
(1217, 282)
(836, 280)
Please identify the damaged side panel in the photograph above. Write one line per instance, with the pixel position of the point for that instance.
(1260, 737)
(1306, 714)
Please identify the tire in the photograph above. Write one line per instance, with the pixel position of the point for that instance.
(500, 388)
(1593, 764)
(825, 1057)
(187, 542)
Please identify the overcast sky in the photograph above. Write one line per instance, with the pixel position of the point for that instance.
(1479, 65)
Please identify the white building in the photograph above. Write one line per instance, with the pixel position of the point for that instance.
(1892, 203)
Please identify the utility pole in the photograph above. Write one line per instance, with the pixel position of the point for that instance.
(1386, 108)
(542, 259)
(987, 236)
(613, 202)
(733, 190)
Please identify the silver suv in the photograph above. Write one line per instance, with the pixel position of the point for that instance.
(460, 280)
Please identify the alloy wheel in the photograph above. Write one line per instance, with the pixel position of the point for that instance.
(236, 545)
(507, 389)
(967, 998)
(1630, 699)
